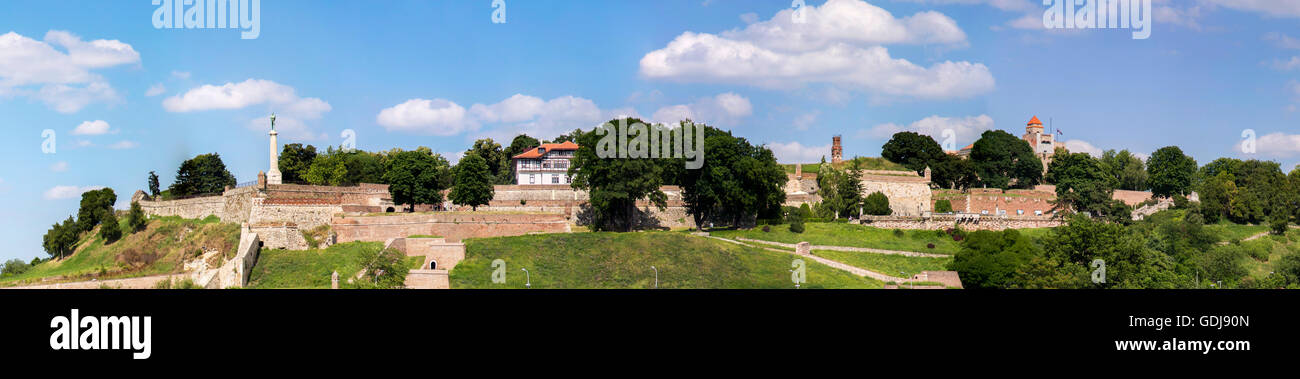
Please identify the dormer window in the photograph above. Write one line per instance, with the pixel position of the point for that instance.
(541, 150)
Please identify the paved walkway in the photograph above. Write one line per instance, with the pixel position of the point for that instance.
(850, 249)
(834, 264)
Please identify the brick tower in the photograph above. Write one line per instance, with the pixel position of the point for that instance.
(837, 151)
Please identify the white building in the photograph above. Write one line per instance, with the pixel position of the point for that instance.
(545, 165)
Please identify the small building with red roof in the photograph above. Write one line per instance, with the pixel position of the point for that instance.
(547, 164)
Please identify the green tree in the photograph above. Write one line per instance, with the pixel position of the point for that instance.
(201, 175)
(135, 218)
(383, 268)
(14, 267)
(497, 161)
(613, 184)
(1127, 171)
(913, 150)
(295, 161)
(153, 185)
(570, 137)
(473, 182)
(109, 228)
(953, 173)
(93, 204)
(414, 177)
(737, 182)
(989, 259)
(1170, 172)
(1083, 185)
(877, 204)
(346, 167)
(1004, 161)
(1129, 262)
(61, 239)
(1217, 195)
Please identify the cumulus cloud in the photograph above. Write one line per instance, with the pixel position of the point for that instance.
(1081, 146)
(65, 78)
(1006, 5)
(964, 129)
(91, 128)
(291, 110)
(437, 117)
(1270, 8)
(795, 152)
(839, 45)
(724, 110)
(1276, 145)
(67, 192)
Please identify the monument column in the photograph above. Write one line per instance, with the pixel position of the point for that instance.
(273, 175)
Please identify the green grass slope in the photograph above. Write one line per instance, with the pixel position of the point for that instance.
(844, 234)
(623, 260)
(886, 264)
(277, 268)
(159, 249)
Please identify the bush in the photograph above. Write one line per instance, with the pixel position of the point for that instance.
(1278, 223)
(135, 219)
(943, 206)
(796, 226)
(767, 229)
(929, 246)
(899, 233)
(877, 204)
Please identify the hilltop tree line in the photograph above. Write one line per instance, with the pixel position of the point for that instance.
(96, 210)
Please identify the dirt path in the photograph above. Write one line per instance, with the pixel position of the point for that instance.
(849, 248)
(832, 263)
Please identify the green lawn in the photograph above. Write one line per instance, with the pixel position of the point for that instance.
(844, 234)
(159, 249)
(1228, 231)
(623, 260)
(886, 264)
(1276, 247)
(312, 268)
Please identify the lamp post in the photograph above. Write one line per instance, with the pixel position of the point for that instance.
(656, 276)
(528, 280)
(796, 283)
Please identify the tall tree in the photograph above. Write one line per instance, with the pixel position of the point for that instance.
(413, 177)
(570, 137)
(204, 174)
(61, 239)
(135, 218)
(953, 173)
(295, 161)
(912, 150)
(1170, 172)
(93, 204)
(1083, 185)
(473, 182)
(495, 157)
(737, 183)
(153, 185)
(1003, 161)
(614, 184)
(109, 228)
(1127, 170)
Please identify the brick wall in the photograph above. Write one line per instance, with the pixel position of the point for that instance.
(452, 226)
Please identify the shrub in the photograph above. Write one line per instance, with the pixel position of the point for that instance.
(943, 206)
(767, 229)
(1278, 223)
(898, 233)
(135, 219)
(796, 226)
(877, 204)
(929, 246)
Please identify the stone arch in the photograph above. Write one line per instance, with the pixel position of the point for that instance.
(433, 264)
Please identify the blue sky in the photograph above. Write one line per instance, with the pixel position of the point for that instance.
(125, 98)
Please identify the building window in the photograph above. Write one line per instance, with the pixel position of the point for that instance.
(555, 179)
(1020, 212)
(568, 180)
(986, 211)
(1038, 213)
(532, 179)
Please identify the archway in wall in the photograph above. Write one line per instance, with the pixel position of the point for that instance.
(433, 264)
(390, 210)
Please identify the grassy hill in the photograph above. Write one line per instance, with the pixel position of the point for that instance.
(845, 234)
(278, 268)
(159, 249)
(867, 163)
(623, 260)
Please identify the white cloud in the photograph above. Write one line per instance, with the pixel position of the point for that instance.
(965, 129)
(1271, 8)
(59, 166)
(839, 45)
(91, 128)
(436, 117)
(1287, 65)
(1188, 17)
(749, 18)
(1081, 146)
(66, 81)
(806, 120)
(795, 152)
(155, 90)
(1282, 40)
(1006, 5)
(123, 145)
(515, 108)
(1276, 145)
(291, 110)
(67, 192)
(181, 74)
(724, 110)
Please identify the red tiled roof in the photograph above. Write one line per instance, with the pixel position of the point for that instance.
(1034, 121)
(534, 153)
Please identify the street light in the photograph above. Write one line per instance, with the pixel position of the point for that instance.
(796, 283)
(656, 276)
(528, 281)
